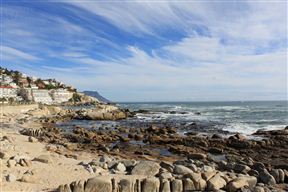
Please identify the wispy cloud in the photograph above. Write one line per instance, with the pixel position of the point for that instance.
(147, 50)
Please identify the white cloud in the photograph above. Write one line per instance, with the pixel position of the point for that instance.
(10, 53)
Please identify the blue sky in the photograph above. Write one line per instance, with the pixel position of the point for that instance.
(152, 50)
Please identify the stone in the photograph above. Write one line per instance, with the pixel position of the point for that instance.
(78, 186)
(147, 168)
(105, 159)
(32, 139)
(281, 176)
(11, 178)
(129, 163)
(43, 159)
(151, 184)
(98, 184)
(208, 175)
(266, 177)
(165, 175)
(197, 156)
(177, 185)
(275, 174)
(168, 166)
(126, 185)
(188, 185)
(216, 182)
(27, 178)
(240, 168)
(3, 155)
(64, 188)
(199, 183)
(165, 186)
(241, 182)
(11, 163)
(181, 170)
(120, 167)
(258, 189)
(215, 150)
(25, 163)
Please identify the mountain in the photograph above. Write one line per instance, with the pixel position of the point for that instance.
(97, 96)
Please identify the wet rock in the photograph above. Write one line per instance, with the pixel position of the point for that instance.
(176, 185)
(215, 150)
(11, 178)
(240, 168)
(181, 170)
(266, 177)
(99, 184)
(151, 184)
(147, 168)
(197, 156)
(43, 159)
(216, 182)
(278, 175)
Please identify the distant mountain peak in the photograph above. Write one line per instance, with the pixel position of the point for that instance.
(97, 96)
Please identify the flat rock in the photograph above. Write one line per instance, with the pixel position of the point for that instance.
(181, 170)
(147, 168)
(43, 159)
(99, 184)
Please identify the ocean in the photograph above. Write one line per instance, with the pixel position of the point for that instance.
(203, 117)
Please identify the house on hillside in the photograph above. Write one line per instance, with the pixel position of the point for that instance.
(8, 92)
(61, 95)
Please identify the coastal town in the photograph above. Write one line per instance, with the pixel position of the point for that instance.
(16, 87)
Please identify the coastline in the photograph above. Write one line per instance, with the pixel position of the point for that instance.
(74, 152)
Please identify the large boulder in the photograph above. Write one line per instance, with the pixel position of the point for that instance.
(151, 184)
(98, 184)
(216, 182)
(181, 170)
(240, 182)
(266, 177)
(147, 168)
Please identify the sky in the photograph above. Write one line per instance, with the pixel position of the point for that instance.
(152, 50)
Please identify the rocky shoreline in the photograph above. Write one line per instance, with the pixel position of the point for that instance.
(146, 158)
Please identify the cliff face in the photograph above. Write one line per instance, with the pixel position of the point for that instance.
(96, 95)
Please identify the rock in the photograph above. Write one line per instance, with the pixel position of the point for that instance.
(266, 178)
(208, 175)
(78, 186)
(216, 136)
(11, 178)
(43, 159)
(151, 184)
(126, 185)
(199, 183)
(253, 172)
(181, 170)
(215, 150)
(25, 163)
(165, 186)
(120, 167)
(258, 166)
(240, 168)
(258, 189)
(197, 156)
(3, 155)
(165, 175)
(168, 166)
(278, 175)
(27, 178)
(147, 168)
(241, 182)
(32, 139)
(105, 159)
(64, 188)
(188, 185)
(11, 163)
(98, 184)
(216, 182)
(176, 185)
(129, 163)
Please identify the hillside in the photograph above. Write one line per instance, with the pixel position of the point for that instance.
(96, 95)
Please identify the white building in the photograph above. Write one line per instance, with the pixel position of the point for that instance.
(61, 95)
(41, 96)
(7, 92)
(5, 79)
